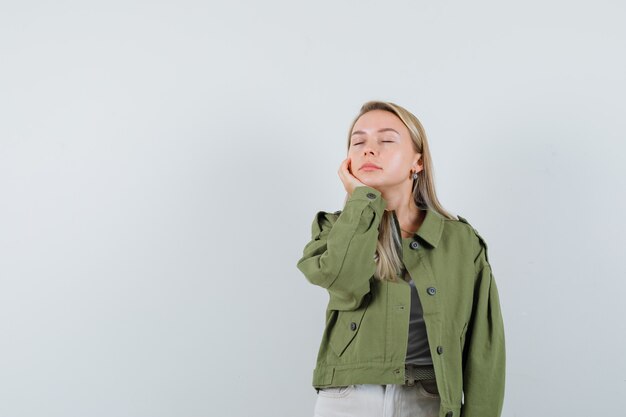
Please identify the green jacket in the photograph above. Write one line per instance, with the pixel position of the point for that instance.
(366, 334)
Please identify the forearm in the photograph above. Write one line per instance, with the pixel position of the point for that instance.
(340, 255)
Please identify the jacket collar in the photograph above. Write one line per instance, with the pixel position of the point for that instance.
(431, 228)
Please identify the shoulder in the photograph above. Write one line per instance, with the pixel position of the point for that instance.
(323, 222)
(468, 234)
(459, 227)
(330, 216)
(479, 242)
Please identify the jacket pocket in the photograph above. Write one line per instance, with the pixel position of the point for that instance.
(463, 332)
(347, 326)
(336, 392)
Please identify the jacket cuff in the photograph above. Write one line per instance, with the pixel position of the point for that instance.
(364, 193)
(370, 195)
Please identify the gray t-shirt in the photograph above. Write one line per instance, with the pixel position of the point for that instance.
(418, 350)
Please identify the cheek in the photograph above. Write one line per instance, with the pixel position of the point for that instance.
(396, 159)
(397, 165)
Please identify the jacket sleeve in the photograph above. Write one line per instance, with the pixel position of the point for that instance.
(484, 365)
(340, 255)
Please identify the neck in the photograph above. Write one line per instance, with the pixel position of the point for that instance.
(408, 214)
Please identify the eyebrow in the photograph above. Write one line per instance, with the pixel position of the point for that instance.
(386, 129)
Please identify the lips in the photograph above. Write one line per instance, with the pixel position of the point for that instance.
(369, 165)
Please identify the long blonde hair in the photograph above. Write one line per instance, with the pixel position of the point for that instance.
(389, 265)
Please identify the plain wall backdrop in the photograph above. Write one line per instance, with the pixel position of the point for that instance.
(161, 163)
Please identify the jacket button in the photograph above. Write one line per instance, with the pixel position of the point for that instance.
(353, 326)
(371, 196)
(449, 414)
(440, 349)
(414, 244)
(431, 290)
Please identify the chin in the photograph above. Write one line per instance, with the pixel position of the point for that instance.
(372, 183)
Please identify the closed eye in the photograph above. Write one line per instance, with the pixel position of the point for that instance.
(384, 141)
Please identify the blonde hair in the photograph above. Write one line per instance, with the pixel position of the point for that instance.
(389, 265)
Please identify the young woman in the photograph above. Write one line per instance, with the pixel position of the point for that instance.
(413, 323)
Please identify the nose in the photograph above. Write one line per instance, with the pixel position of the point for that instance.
(369, 149)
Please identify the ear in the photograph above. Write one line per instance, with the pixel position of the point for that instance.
(418, 163)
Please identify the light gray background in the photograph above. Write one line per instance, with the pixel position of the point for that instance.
(161, 163)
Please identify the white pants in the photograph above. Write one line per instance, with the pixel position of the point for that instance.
(369, 400)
